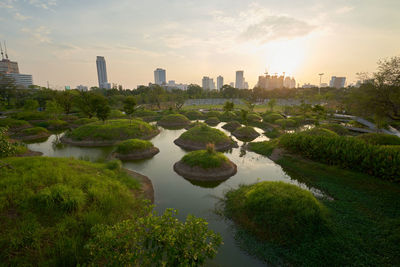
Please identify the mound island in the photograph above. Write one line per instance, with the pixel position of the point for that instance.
(212, 121)
(199, 136)
(193, 124)
(33, 134)
(246, 133)
(205, 165)
(174, 120)
(133, 149)
(232, 126)
(109, 133)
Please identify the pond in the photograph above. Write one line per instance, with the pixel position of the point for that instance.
(173, 191)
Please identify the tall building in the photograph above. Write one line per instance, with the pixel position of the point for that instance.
(208, 83)
(220, 82)
(239, 79)
(246, 85)
(160, 76)
(102, 73)
(232, 84)
(10, 69)
(337, 82)
(271, 82)
(82, 88)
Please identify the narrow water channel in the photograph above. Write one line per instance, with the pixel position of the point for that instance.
(173, 191)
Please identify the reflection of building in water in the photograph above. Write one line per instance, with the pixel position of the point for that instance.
(271, 82)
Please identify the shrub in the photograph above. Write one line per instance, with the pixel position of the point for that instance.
(213, 113)
(144, 113)
(34, 131)
(272, 117)
(320, 131)
(205, 159)
(254, 117)
(116, 114)
(276, 211)
(228, 116)
(347, 152)
(31, 115)
(57, 124)
(212, 121)
(286, 123)
(6, 148)
(379, 139)
(12, 123)
(114, 165)
(83, 121)
(194, 115)
(133, 145)
(337, 128)
(174, 119)
(246, 133)
(205, 134)
(232, 126)
(264, 148)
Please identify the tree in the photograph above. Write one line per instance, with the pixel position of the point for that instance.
(250, 106)
(31, 105)
(271, 104)
(65, 100)
(228, 106)
(243, 115)
(179, 102)
(53, 108)
(129, 106)
(103, 110)
(86, 102)
(194, 90)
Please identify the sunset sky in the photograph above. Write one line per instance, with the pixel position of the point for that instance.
(58, 40)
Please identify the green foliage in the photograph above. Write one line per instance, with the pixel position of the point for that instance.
(205, 134)
(272, 117)
(34, 131)
(103, 111)
(204, 159)
(49, 205)
(145, 113)
(194, 115)
(133, 145)
(271, 104)
(175, 119)
(278, 212)
(129, 106)
(213, 113)
(31, 105)
(116, 114)
(246, 133)
(31, 115)
(252, 117)
(379, 139)
(212, 121)
(347, 152)
(264, 148)
(154, 241)
(232, 126)
(228, 116)
(114, 130)
(228, 106)
(12, 123)
(6, 148)
(53, 108)
(273, 133)
(114, 165)
(57, 124)
(320, 131)
(285, 123)
(83, 121)
(337, 128)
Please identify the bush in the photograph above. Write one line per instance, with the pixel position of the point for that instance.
(117, 114)
(246, 133)
(337, 128)
(133, 145)
(212, 121)
(228, 116)
(13, 124)
(213, 113)
(320, 131)
(144, 113)
(154, 241)
(254, 117)
(286, 123)
(272, 117)
(174, 119)
(6, 148)
(205, 134)
(57, 124)
(34, 131)
(83, 121)
(276, 211)
(263, 148)
(232, 126)
(379, 139)
(347, 152)
(31, 115)
(194, 115)
(205, 159)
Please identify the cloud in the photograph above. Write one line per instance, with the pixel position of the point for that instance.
(273, 27)
(40, 34)
(345, 9)
(45, 4)
(19, 16)
(7, 4)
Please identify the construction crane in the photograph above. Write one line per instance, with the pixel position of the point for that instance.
(1, 49)
(5, 49)
(320, 81)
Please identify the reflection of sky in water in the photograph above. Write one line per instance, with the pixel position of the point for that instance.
(173, 191)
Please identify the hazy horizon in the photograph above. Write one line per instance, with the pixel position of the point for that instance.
(58, 41)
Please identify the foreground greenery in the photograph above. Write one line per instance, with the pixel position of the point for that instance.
(66, 212)
(133, 145)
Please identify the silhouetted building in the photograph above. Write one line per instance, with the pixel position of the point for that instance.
(10, 70)
(337, 82)
(160, 76)
(239, 79)
(271, 82)
(102, 73)
(220, 82)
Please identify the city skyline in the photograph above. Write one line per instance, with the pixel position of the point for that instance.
(55, 42)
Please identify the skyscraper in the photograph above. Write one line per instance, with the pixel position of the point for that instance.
(337, 82)
(239, 79)
(160, 76)
(102, 73)
(220, 82)
(205, 83)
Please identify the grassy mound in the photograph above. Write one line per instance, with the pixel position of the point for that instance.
(49, 206)
(246, 133)
(133, 145)
(194, 124)
(213, 113)
(83, 121)
(112, 130)
(194, 115)
(33, 131)
(284, 123)
(117, 114)
(379, 139)
(263, 148)
(145, 113)
(13, 123)
(272, 117)
(317, 131)
(205, 159)
(202, 135)
(174, 120)
(57, 124)
(337, 128)
(212, 121)
(275, 211)
(31, 115)
(232, 126)
(254, 117)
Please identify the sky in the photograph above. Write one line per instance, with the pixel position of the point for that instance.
(58, 40)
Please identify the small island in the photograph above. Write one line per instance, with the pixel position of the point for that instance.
(246, 133)
(205, 165)
(134, 149)
(199, 136)
(232, 126)
(34, 134)
(109, 133)
(193, 124)
(212, 121)
(173, 121)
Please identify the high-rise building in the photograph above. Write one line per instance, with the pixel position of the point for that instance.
(207, 83)
(102, 73)
(160, 76)
(232, 84)
(271, 82)
(220, 82)
(337, 82)
(239, 79)
(246, 85)
(82, 88)
(10, 70)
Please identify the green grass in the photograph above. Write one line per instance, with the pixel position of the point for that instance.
(133, 145)
(83, 121)
(317, 131)
(284, 123)
(364, 221)
(213, 113)
(276, 212)
(194, 115)
(205, 134)
(175, 119)
(12, 123)
(379, 139)
(258, 108)
(263, 148)
(49, 205)
(254, 117)
(112, 130)
(34, 131)
(337, 128)
(144, 113)
(232, 125)
(274, 133)
(31, 115)
(57, 124)
(212, 121)
(204, 159)
(246, 133)
(272, 117)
